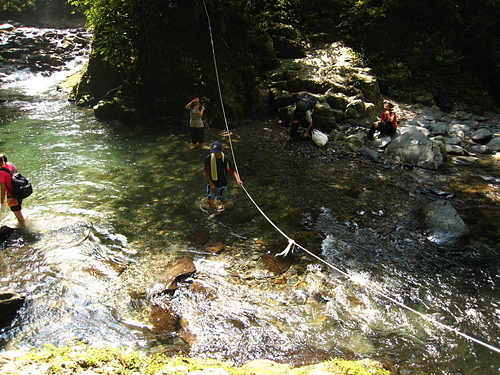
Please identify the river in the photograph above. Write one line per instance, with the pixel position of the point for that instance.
(113, 203)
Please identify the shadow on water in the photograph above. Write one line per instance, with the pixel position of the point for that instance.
(114, 203)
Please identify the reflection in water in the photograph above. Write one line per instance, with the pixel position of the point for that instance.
(113, 204)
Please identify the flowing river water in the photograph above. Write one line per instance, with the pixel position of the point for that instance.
(115, 203)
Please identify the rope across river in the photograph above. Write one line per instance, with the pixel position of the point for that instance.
(292, 244)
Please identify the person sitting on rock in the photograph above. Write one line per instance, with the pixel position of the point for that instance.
(387, 124)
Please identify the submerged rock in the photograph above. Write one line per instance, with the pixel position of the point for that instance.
(5, 232)
(199, 237)
(10, 303)
(442, 224)
(274, 263)
(163, 318)
(216, 247)
(176, 271)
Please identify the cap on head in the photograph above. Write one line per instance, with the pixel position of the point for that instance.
(216, 147)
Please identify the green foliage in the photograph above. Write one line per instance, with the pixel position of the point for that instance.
(39, 12)
(159, 46)
(16, 5)
(437, 41)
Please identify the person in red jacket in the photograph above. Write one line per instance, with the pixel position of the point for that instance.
(6, 189)
(387, 125)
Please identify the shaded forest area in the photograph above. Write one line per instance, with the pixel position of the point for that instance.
(149, 49)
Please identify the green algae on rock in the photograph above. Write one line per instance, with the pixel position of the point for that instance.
(83, 359)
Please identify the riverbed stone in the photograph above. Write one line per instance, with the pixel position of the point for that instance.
(337, 100)
(6, 27)
(442, 224)
(369, 154)
(163, 319)
(265, 366)
(199, 236)
(381, 143)
(481, 149)
(454, 150)
(453, 140)
(176, 271)
(5, 232)
(216, 247)
(273, 263)
(414, 148)
(482, 135)
(494, 144)
(354, 143)
(438, 128)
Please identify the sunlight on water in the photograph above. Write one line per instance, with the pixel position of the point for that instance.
(114, 204)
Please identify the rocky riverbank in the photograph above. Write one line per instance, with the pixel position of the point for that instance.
(39, 50)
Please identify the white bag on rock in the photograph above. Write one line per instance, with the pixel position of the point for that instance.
(319, 138)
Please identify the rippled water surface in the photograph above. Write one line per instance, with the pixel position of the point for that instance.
(114, 203)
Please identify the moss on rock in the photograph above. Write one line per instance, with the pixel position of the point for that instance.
(81, 358)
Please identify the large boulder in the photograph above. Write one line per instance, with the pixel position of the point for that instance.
(323, 118)
(414, 148)
(286, 41)
(441, 223)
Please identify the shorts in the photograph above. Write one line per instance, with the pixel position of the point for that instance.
(197, 135)
(18, 206)
(219, 193)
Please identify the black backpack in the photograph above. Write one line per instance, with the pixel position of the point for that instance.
(20, 184)
(305, 102)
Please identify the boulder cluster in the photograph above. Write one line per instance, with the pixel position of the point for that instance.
(349, 98)
(182, 271)
(427, 137)
(346, 90)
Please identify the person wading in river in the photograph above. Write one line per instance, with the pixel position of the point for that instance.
(196, 125)
(6, 189)
(216, 167)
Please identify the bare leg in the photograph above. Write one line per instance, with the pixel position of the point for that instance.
(19, 216)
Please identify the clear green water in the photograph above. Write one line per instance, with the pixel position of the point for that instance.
(114, 203)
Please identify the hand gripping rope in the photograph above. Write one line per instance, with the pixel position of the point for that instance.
(292, 244)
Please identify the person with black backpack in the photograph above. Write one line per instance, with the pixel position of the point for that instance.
(301, 122)
(6, 171)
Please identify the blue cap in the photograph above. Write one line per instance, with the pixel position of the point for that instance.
(216, 147)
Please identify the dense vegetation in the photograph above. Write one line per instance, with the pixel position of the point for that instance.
(445, 45)
(42, 13)
(151, 49)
